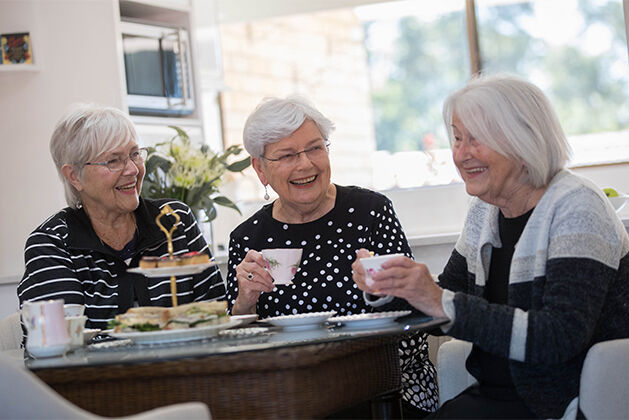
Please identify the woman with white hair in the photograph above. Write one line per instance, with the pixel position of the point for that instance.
(288, 140)
(81, 254)
(541, 270)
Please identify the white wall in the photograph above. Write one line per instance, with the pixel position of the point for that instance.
(74, 48)
(243, 10)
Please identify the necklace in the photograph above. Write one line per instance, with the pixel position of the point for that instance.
(105, 240)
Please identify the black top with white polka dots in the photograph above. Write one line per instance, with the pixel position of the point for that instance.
(360, 219)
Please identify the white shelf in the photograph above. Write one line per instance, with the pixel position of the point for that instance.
(19, 68)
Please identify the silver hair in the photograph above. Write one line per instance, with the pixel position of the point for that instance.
(84, 133)
(514, 118)
(275, 119)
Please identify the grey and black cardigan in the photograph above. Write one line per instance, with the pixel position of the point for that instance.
(64, 259)
(568, 289)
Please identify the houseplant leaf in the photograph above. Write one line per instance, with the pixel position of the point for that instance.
(240, 165)
(226, 202)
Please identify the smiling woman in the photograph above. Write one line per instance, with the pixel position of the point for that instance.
(540, 271)
(108, 191)
(288, 140)
(81, 254)
(301, 179)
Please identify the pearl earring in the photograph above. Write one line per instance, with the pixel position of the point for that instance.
(266, 193)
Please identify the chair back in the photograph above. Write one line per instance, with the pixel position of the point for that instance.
(452, 376)
(24, 396)
(604, 388)
(604, 392)
(10, 332)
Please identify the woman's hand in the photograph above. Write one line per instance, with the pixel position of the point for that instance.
(404, 278)
(358, 271)
(253, 279)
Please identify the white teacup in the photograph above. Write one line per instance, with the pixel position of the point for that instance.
(373, 265)
(75, 326)
(46, 326)
(282, 263)
(73, 309)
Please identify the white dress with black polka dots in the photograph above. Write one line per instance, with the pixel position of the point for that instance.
(360, 219)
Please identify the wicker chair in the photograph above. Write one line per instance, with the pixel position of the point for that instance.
(10, 332)
(24, 396)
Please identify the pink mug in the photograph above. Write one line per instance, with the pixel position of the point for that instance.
(46, 326)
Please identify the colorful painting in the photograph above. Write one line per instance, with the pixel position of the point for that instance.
(16, 48)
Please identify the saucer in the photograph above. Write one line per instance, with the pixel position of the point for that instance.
(300, 322)
(89, 333)
(48, 351)
(245, 319)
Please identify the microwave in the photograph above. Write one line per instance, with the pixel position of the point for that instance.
(158, 70)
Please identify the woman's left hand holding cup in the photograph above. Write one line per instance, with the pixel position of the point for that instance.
(253, 279)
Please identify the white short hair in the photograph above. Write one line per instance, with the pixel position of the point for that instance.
(275, 119)
(84, 133)
(514, 118)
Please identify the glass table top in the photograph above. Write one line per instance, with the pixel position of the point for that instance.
(253, 337)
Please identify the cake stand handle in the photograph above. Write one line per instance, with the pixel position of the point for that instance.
(173, 290)
(167, 210)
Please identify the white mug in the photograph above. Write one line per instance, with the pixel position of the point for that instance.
(46, 326)
(76, 325)
(73, 309)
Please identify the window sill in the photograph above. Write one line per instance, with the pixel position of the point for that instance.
(433, 239)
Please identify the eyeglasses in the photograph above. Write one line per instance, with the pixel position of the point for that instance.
(118, 164)
(313, 153)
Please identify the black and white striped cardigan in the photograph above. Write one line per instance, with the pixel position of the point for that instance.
(64, 259)
(568, 289)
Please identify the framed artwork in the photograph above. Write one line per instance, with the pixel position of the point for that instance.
(16, 48)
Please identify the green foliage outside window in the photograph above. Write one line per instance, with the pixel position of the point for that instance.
(589, 90)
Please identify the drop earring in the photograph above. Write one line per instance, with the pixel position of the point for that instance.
(266, 193)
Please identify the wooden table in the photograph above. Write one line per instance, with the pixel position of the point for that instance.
(278, 375)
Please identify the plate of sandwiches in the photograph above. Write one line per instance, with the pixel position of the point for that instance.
(155, 324)
(189, 263)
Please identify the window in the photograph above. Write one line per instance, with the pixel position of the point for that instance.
(581, 65)
(381, 72)
(417, 55)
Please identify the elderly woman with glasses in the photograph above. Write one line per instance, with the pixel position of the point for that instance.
(81, 254)
(288, 140)
(540, 272)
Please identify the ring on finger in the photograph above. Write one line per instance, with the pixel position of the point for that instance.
(250, 276)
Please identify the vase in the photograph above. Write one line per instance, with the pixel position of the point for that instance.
(206, 229)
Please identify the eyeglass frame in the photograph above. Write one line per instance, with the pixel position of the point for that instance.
(140, 151)
(326, 144)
